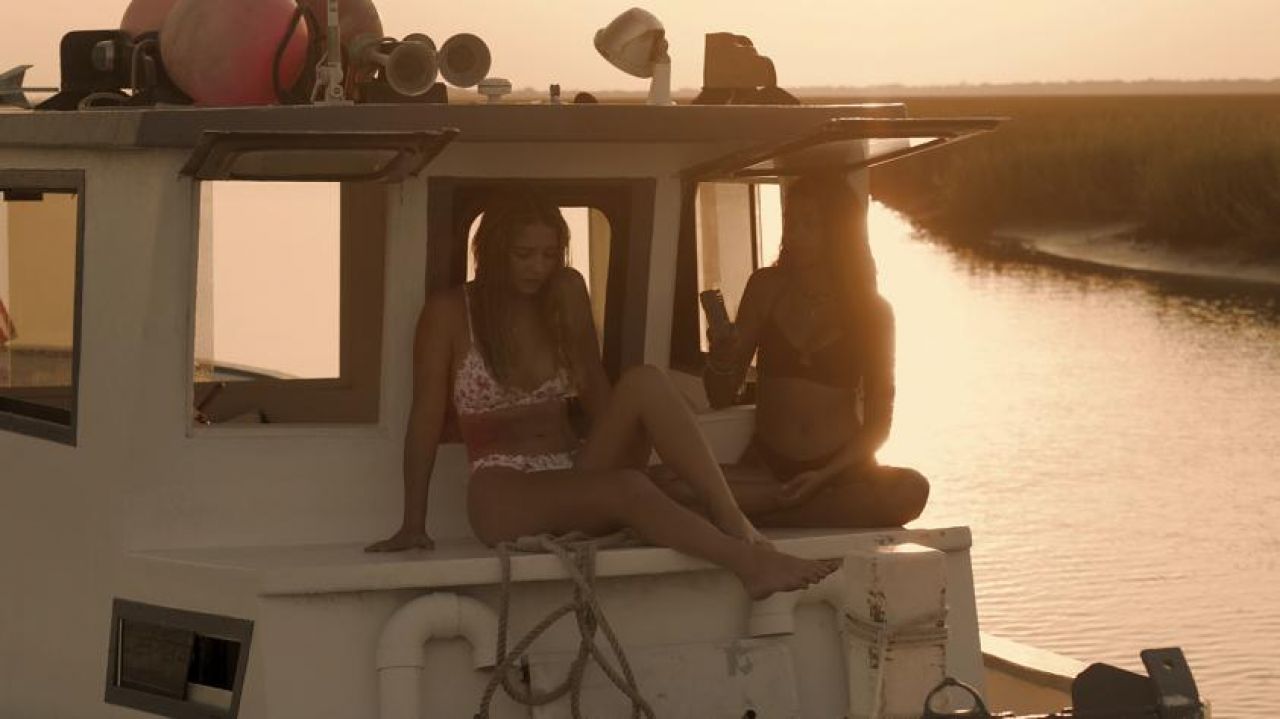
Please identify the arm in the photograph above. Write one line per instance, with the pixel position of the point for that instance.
(584, 347)
(879, 388)
(730, 355)
(594, 387)
(432, 361)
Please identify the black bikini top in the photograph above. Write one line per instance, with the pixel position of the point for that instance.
(837, 363)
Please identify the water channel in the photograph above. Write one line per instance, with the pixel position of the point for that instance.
(1114, 443)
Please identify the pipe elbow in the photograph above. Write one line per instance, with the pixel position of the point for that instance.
(440, 615)
(479, 624)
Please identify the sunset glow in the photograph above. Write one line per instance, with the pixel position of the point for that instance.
(812, 42)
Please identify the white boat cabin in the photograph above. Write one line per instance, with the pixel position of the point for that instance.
(181, 527)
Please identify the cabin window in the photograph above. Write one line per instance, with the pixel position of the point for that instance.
(729, 230)
(610, 225)
(41, 233)
(288, 306)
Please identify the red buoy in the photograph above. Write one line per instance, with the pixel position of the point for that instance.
(143, 16)
(221, 52)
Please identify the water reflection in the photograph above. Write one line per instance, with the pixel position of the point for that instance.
(1113, 441)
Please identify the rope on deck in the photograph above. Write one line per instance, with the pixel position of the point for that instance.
(578, 554)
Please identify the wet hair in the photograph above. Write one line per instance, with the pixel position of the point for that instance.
(505, 215)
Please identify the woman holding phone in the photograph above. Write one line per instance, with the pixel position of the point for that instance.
(824, 342)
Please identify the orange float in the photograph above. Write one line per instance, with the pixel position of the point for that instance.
(143, 16)
(221, 52)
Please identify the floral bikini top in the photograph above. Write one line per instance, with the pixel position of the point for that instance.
(477, 392)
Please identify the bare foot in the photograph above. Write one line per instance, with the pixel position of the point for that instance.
(772, 571)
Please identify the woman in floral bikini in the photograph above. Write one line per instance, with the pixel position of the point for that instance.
(512, 347)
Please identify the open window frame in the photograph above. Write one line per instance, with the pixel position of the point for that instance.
(839, 146)
(365, 164)
(453, 204)
(17, 414)
(351, 398)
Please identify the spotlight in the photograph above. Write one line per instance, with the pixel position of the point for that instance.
(636, 43)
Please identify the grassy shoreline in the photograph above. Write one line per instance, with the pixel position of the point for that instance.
(1114, 249)
(1198, 174)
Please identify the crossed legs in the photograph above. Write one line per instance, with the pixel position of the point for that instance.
(882, 496)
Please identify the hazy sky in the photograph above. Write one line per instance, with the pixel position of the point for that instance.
(812, 42)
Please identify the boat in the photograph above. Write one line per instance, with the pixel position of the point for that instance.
(181, 537)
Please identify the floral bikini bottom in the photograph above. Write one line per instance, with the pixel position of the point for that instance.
(547, 462)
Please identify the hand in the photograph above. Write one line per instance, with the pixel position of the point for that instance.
(722, 340)
(402, 540)
(802, 487)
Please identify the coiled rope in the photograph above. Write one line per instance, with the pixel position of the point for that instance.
(578, 554)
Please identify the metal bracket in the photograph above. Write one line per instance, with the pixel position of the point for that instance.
(328, 89)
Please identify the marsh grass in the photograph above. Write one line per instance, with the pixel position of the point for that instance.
(1197, 173)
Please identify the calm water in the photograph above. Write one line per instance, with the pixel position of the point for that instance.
(1115, 446)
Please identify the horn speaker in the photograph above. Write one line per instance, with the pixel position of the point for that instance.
(464, 60)
(409, 66)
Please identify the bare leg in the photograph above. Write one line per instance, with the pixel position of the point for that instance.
(887, 497)
(504, 504)
(645, 400)
(754, 488)
(880, 497)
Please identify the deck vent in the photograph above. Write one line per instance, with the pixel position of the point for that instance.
(176, 663)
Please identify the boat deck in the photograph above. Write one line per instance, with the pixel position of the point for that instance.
(333, 568)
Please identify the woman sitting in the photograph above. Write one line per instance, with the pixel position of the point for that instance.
(825, 388)
(509, 349)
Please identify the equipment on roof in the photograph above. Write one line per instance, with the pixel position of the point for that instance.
(635, 42)
(12, 93)
(734, 73)
(464, 60)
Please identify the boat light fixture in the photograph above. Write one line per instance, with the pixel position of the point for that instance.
(315, 156)
(636, 43)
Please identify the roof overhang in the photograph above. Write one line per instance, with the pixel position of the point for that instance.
(842, 144)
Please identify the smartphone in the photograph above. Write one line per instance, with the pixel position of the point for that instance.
(713, 305)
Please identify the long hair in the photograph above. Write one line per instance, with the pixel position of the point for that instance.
(846, 252)
(504, 216)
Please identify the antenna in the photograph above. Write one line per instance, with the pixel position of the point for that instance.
(12, 93)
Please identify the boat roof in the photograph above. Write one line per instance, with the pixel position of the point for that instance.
(184, 127)
(759, 142)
